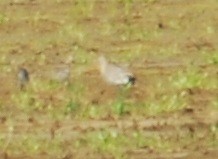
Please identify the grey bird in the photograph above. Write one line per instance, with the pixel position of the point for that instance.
(61, 73)
(114, 74)
(23, 78)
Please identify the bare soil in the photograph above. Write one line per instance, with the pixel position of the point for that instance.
(26, 38)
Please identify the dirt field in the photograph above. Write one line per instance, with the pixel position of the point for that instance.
(170, 46)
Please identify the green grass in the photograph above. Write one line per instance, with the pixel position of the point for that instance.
(127, 31)
(193, 78)
(3, 18)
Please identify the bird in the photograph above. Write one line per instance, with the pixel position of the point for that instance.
(61, 73)
(23, 77)
(114, 74)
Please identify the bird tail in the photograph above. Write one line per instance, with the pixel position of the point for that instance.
(132, 80)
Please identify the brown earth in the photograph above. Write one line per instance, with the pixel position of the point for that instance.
(38, 29)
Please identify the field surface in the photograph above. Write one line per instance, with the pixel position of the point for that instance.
(171, 112)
